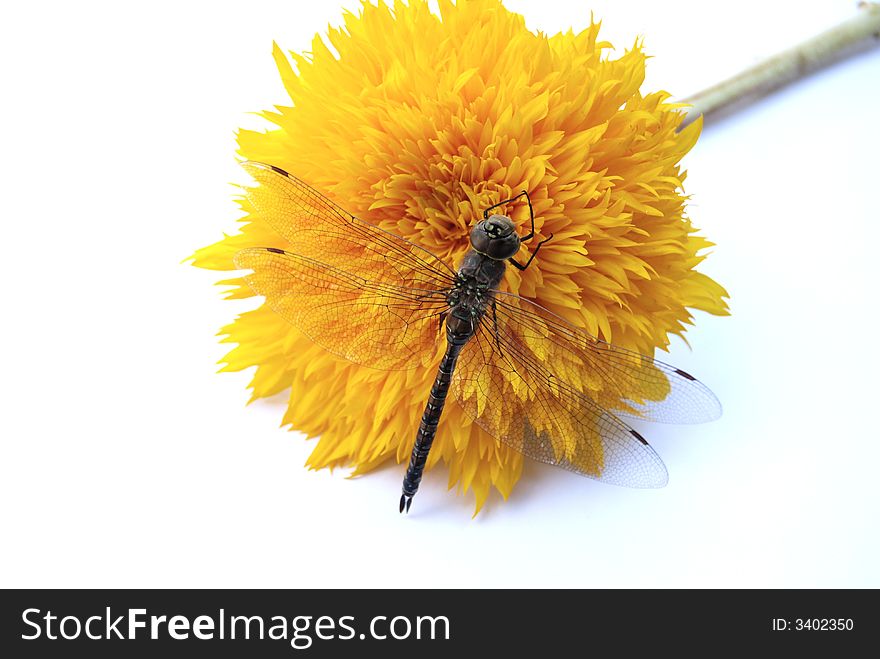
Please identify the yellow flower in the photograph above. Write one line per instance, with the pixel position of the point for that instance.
(418, 122)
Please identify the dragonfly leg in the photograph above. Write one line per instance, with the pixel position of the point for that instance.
(495, 324)
(442, 316)
(507, 201)
(520, 266)
(531, 233)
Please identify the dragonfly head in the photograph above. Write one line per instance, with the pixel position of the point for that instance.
(495, 237)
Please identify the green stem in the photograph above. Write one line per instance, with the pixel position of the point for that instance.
(859, 33)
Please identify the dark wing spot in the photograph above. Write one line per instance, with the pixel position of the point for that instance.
(278, 170)
(275, 250)
(639, 437)
(685, 375)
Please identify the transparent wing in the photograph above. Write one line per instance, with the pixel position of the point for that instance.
(369, 322)
(520, 402)
(623, 381)
(319, 229)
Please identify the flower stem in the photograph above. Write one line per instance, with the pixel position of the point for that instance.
(857, 34)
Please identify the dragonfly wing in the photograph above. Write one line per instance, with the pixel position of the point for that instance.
(320, 229)
(623, 381)
(369, 322)
(517, 400)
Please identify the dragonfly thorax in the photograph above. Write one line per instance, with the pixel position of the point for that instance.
(478, 273)
(471, 294)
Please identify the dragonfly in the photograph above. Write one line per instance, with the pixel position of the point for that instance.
(526, 376)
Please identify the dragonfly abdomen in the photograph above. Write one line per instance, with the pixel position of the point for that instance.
(430, 420)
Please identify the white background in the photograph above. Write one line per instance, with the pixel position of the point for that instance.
(126, 461)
